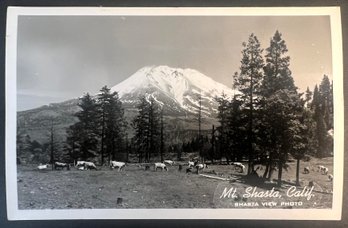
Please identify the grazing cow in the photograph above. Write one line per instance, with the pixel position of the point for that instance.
(320, 168)
(116, 164)
(201, 166)
(90, 165)
(160, 165)
(240, 166)
(80, 163)
(42, 167)
(169, 162)
(306, 170)
(325, 170)
(61, 165)
(191, 164)
(330, 176)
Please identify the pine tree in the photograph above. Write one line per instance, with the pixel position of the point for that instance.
(248, 82)
(300, 136)
(73, 146)
(154, 128)
(322, 108)
(88, 132)
(52, 145)
(162, 136)
(140, 125)
(237, 129)
(325, 90)
(115, 127)
(281, 103)
(147, 127)
(223, 112)
(200, 137)
(103, 103)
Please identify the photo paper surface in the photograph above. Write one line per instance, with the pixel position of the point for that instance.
(174, 113)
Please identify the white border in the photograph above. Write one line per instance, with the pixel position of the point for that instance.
(13, 213)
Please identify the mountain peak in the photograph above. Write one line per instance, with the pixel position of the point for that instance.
(172, 85)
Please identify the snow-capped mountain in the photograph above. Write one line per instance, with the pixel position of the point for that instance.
(176, 89)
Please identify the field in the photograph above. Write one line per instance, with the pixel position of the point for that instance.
(136, 188)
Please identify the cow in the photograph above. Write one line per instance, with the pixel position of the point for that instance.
(80, 163)
(191, 164)
(160, 165)
(61, 165)
(240, 166)
(116, 164)
(89, 165)
(42, 167)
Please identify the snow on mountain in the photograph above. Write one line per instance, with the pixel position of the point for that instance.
(178, 88)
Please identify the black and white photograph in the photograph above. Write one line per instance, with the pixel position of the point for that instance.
(174, 113)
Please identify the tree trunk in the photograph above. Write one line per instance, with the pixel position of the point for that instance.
(52, 147)
(280, 172)
(298, 172)
(102, 141)
(266, 170)
(162, 137)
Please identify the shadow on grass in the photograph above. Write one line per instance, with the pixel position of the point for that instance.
(257, 181)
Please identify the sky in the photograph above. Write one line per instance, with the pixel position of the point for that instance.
(63, 57)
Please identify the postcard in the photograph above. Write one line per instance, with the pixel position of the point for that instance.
(174, 113)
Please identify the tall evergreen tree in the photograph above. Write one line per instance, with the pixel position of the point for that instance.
(115, 127)
(72, 143)
(147, 128)
(237, 129)
(162, 136)
(223, 112)
(103, 103)
(154, 128)
(200, 136)
(281, 102)
(140, 124)
(248, 82)
(88, 132)
(325, 90)
(300, 130)
(322, 108)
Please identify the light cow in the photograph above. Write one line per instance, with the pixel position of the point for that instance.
(116, 164)
(42, 167)
(90, 165)
(161, 166)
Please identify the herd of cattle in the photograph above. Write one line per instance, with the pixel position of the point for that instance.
(191, 165)
(322, 169)
(85, 165)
